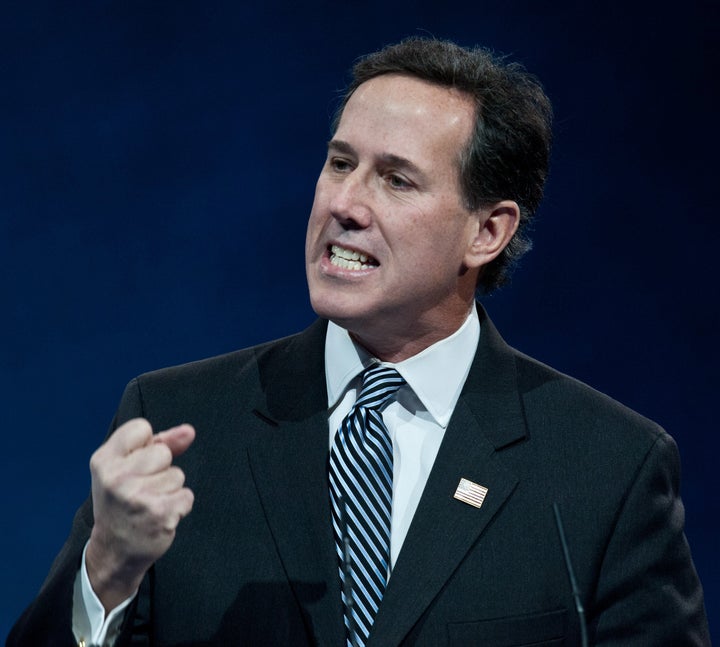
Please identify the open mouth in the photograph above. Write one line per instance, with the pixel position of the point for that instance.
(350, 259)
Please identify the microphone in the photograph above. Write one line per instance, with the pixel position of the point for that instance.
(346, 566)
(571, 574)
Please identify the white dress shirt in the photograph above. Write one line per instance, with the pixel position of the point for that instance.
(416, 420)
(419, 415)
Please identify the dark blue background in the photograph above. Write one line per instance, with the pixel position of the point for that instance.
(157, 166)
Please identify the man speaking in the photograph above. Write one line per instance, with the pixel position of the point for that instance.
(395, 474)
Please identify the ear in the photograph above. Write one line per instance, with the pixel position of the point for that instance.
(493, 227)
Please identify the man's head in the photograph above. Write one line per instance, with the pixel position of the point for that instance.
(405, 223)
(508, 154)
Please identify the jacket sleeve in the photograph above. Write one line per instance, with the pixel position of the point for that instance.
(47, 622)
(648, 590)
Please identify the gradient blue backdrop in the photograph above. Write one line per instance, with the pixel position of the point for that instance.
(157, 165)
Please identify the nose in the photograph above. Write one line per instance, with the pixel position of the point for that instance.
(350, 202)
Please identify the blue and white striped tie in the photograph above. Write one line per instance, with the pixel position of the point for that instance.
(361, 473)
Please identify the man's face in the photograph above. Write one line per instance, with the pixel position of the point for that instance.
(388, 231)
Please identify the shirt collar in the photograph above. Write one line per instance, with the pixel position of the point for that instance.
(449, 358)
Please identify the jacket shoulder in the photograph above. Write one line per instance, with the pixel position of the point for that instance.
(198, 389)
(570, 404)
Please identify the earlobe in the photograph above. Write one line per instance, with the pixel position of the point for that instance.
(494, 228)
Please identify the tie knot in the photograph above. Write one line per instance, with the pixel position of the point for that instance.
(379, 385)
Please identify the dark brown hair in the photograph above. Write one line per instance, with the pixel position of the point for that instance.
(507, 156)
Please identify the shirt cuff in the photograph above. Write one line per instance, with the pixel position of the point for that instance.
(90, 625)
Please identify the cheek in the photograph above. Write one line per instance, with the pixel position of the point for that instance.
(311, 235)
(443, 248)
(315, 219)
(320, 210)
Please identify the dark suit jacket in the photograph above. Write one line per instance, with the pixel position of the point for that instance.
(255, 564)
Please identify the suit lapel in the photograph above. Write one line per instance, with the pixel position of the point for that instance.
(289, 465)
(487, 417)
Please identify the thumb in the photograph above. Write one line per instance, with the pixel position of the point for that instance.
(177, 439)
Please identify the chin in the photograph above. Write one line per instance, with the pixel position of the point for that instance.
(332, 310)
(340, 308)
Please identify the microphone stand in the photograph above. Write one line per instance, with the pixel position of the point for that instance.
(347, 573)
(571, 574)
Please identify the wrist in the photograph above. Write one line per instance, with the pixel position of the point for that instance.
(112, 578)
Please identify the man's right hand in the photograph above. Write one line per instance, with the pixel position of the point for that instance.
(138, 500)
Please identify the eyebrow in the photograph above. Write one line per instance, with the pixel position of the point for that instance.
(402, 163)
(340, 146)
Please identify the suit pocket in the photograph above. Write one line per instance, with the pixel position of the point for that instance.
(536, 630)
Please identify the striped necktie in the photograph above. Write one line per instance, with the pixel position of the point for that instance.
(361, 473)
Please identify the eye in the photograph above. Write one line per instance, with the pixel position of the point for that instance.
(397, 181)
(339, 165)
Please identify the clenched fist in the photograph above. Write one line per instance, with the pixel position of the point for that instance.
(138, 500)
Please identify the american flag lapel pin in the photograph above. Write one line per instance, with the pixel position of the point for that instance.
(470, 493)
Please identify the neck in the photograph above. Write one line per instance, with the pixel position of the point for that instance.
(400, 343)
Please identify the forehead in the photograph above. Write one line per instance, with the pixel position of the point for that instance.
(408, 116)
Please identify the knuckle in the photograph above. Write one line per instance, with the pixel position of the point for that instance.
(187, 502)
(133, 500)
(162, 453)
(114, 480)
(139, 426)
(156, 508)
(177, 476)
(99, 459)
(103, 479)
(95, 462)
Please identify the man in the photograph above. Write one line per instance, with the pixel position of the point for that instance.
(478, 456)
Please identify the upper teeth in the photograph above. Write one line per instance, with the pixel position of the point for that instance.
(348, 259)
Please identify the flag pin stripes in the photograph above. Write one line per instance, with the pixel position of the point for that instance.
(470, 493)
